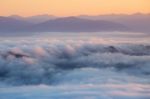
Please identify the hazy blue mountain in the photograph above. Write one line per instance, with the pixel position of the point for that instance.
(34, 19)
(46, 23)
(137, 22)
(12, 25)
(73, 24)
(17, 17)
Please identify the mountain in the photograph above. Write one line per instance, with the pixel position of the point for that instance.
(17, 17)
(47, 23)
(138, 22)
(74, 24)
(12, 25)
(34, 19)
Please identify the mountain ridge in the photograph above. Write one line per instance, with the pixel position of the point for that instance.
(48, 23)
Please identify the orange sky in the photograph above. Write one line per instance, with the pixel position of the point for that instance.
(72, 7)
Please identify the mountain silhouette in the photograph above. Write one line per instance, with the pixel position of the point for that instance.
(48, 23)
(12, 25)
(74, 24)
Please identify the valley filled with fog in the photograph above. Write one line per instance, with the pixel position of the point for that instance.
(101, 65)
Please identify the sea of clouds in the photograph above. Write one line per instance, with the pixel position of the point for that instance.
(73, 69)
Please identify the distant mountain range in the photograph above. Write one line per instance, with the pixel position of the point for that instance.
(48, 23)
(34, 19)
(137, 22)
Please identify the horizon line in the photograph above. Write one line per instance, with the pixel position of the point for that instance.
(77, 15)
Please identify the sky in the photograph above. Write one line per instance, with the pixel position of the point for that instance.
(72, 7)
